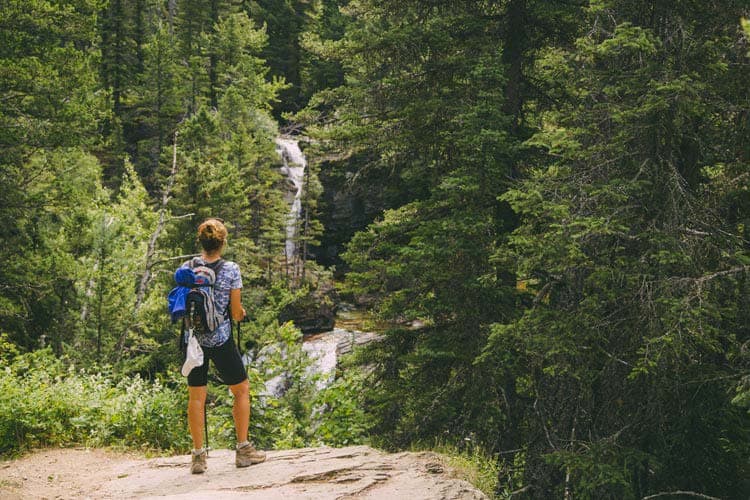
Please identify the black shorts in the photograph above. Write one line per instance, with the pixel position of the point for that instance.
(228, 362)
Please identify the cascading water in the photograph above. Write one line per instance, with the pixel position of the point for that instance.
(294, 164)
(322, 350)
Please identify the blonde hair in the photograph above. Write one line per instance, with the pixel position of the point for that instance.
(212, 234)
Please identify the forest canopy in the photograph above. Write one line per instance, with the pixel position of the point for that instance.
(547, 203)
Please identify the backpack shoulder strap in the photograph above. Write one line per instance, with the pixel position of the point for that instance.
(217, 266)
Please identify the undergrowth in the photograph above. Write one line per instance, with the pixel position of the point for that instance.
(472, 463)
(46, 401)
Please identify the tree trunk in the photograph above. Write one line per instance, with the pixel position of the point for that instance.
(515, 41)
(151, 251)
(147, 276)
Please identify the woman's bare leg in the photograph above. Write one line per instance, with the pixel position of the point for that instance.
(195, 413)
(241, 409)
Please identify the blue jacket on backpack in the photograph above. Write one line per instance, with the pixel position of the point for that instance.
(185, 279)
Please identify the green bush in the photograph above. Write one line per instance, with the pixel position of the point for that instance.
(471, 462)
(48, 401)
(44, 402)
(340, 418)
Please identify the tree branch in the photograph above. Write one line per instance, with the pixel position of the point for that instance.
(675, 493)
(151, 249)
(179, 257)
(519, 491)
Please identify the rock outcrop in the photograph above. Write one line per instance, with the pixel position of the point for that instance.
(347, 207)
(315, 312)
(357, 472)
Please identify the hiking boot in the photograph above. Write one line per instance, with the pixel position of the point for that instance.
(248, 455)
(199, 464)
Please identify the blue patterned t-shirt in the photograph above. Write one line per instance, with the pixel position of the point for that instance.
(229, 278)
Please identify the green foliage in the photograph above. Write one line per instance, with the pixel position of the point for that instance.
(118, 236)
(626, 299)
(47, 402)
(155, 104)
(567, 276)
(472, 464)
(743, 394)
(49, 110)
(39, 295)
(228, 165)
(287, 22)
(339, 416)
(48, 82)
(431, 122)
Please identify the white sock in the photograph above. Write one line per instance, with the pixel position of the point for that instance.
(243, 444)
(198, 452)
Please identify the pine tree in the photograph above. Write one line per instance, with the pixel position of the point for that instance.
(49, 111)
(158, 104)
(318, 71)
(310, 228)
(626, 348)
(284, 21)
(196, 23)
(119, 235)
(230, 163)
(430, 127)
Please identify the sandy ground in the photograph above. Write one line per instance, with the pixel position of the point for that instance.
(310, 473)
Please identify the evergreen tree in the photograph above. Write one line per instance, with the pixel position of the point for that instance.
(284, 22)
(229, 159)
(318, 71)
(432, 124)
(309, 226)
(49, 110)
(632, 338)
(158, 104)
(196, 24)
(119, 50)
(119, 235)
(444, 118)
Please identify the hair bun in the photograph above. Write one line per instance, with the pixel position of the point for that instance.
(212, 234)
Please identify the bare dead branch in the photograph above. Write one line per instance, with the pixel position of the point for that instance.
(179, 257)
(680, 493)
(147, 276)
(521, 490)
(151, 251)
(183, 216)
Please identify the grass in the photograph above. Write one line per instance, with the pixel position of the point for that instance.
(470, 463)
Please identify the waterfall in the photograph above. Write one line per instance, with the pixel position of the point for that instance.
(294, 164)
(324, 352)
(326, 349)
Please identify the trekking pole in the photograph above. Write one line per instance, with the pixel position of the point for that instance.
(238, 336)
(205, 425)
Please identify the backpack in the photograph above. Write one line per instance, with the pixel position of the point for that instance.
(201, 314)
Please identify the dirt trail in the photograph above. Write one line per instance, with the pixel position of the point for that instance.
(357, 472)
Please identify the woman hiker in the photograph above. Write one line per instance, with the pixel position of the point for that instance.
(220, 348)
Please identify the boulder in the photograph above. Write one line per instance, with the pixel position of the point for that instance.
(315, 312)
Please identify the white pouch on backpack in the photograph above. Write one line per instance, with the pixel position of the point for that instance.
(194, 355)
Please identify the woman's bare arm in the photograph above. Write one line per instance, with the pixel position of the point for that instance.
(235, 304)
